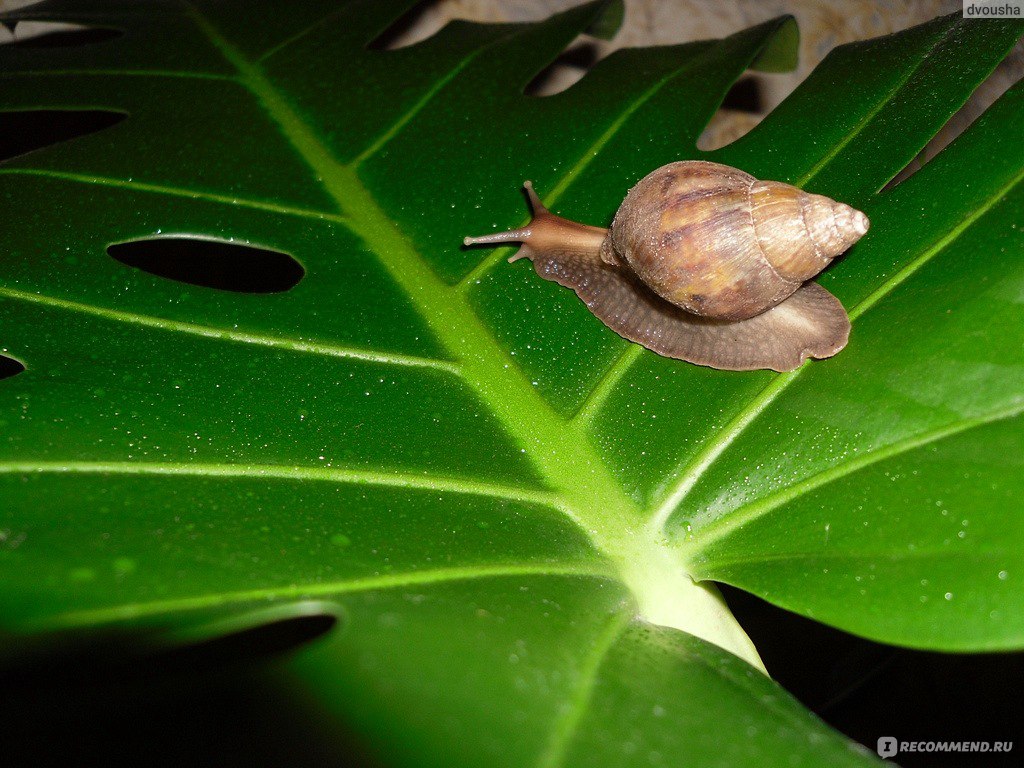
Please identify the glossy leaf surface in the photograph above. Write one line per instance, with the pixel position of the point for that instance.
(503, 501)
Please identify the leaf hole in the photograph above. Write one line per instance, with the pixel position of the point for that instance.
(745, 95)
(50, 34)
(415, 25)
(122, 699)
(211, 263)
(989, 91)
(266, 640)
(26, 131)
(566, 70)
(10, 367)
(742, 108)
(86, 659)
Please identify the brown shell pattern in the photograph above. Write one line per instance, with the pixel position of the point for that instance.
(720, 243)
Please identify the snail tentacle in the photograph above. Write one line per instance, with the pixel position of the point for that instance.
(546, 233)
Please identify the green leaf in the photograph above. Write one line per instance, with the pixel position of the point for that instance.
(504, 502)
(902, 485)
(780, 54)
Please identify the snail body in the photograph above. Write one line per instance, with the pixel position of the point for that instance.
(705, 263)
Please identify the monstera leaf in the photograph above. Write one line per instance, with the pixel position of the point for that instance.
(516, 515)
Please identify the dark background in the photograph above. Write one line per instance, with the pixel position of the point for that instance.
(124, 701)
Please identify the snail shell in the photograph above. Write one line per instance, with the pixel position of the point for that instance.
(705, 263)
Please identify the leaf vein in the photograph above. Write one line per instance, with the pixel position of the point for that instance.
(563, 458)
(211, 332)
(160, 189)
(755, 510)
(89, 617)
(415, 109)
(567, 722)
(345, 475)
(870, 115)
(717, 565)
(607, 384)
(118, 73)
(297, 36)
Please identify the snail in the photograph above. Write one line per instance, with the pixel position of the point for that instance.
(704, 263)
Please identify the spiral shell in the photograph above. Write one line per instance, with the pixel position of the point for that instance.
(720, 243)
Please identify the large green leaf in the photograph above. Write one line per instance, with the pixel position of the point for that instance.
(506, 503)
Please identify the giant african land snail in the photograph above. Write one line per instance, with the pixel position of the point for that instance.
(704, 263)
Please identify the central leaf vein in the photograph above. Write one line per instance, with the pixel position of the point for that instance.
(558, 455)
